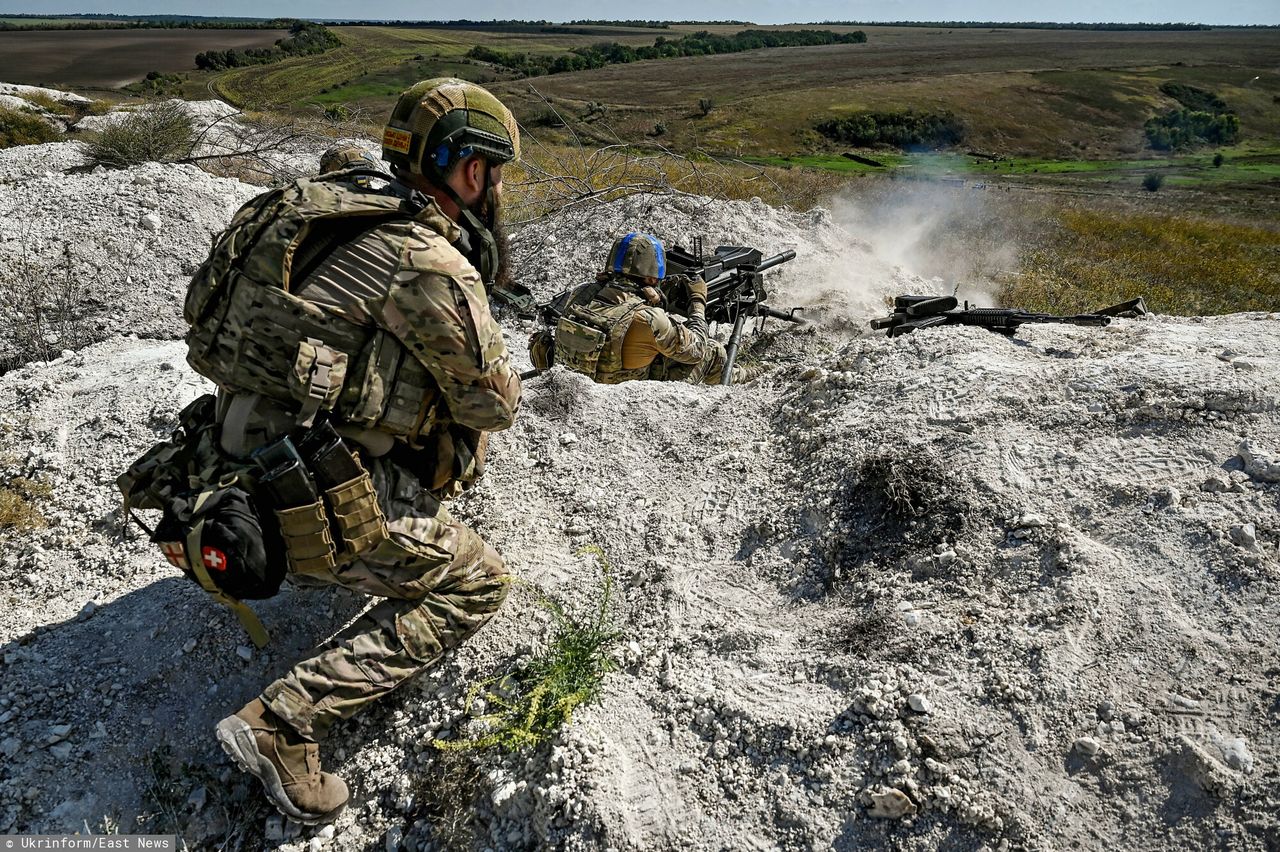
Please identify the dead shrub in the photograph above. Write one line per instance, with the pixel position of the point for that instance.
(159, 133)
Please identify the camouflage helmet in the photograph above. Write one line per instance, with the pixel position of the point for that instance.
(638, 256)
(439, 121)
(344, 154)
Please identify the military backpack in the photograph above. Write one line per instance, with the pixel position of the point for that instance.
(249, 333)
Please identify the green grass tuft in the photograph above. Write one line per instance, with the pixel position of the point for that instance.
(533, 702)
(18, 127)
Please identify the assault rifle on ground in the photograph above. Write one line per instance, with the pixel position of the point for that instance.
(915, 312)
(735, 291)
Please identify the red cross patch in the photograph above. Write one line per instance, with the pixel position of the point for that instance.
(213, 558)
(174, 553)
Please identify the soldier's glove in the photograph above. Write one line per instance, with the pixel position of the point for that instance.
(697, 290)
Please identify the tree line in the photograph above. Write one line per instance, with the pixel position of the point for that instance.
(1203, 119)
(305, 38)
(906, 129)
(137, 22)
(1019, 25)
(702, 43)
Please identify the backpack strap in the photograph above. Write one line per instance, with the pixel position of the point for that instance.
(195, 558)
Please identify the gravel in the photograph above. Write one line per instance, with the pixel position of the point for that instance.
(946, 590)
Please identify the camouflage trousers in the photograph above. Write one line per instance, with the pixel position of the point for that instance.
(708, 371)
(440, 582)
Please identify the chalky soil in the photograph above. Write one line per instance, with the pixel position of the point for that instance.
(951, 589)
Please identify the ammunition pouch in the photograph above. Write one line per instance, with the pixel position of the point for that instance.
(359, 517)
(307, 540)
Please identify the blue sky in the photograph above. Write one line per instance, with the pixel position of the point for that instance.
(761, 11)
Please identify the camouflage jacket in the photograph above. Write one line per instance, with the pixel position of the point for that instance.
(412, 349)
(618, 336)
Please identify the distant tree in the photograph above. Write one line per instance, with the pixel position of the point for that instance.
(1152, 181)
(705, 105)
(1218, 160)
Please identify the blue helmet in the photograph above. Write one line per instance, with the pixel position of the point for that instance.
(638, 256)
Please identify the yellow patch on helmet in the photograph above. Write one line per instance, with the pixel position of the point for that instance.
(396, 140)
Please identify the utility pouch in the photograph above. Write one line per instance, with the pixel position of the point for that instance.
(298, 508)
(360, 520)
(348, 488)
(579, 346)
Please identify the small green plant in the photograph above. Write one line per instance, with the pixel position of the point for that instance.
(533, 702)
(49, 103)
(705, 105)
(18, 127)
(159, 133)
(660, 128)
(1218, 160)
(1152, 181)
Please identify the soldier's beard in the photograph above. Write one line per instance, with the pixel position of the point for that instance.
(491, 215)
(503, 275)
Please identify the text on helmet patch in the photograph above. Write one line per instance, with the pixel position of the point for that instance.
(396, 140)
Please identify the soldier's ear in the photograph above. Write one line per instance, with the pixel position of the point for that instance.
(472, 169)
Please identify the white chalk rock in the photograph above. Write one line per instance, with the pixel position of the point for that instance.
(1087, 746)
(1245, 536)
(149, 222)
(891, 804)
(919, 703)
(1259, 464)
(1235, 751)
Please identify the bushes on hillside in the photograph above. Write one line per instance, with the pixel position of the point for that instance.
(906, 129)
(305, 38)
(1194, 98)
(1203, 119)
(1181, 128)
(160, 133)
(18, 127)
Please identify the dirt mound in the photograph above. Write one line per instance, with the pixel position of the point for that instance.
(951, 589)
(88, 256)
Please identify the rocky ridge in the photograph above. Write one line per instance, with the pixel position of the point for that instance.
(948, 589)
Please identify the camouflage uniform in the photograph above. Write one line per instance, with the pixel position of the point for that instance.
(619, 336)
(440, 580)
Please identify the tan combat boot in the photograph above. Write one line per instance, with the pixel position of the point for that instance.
(287, 765)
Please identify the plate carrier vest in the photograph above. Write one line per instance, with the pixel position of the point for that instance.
(250, 334)
(589, 340)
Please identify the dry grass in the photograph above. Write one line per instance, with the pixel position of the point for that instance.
(48, 103)
(19, 127)
(19, 505)
(1182, 265)
(158, 133)
(557, 177)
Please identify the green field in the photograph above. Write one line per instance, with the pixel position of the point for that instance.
(1060, 109)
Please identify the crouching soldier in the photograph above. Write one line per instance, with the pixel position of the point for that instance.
(358, 305)
(618, 328)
